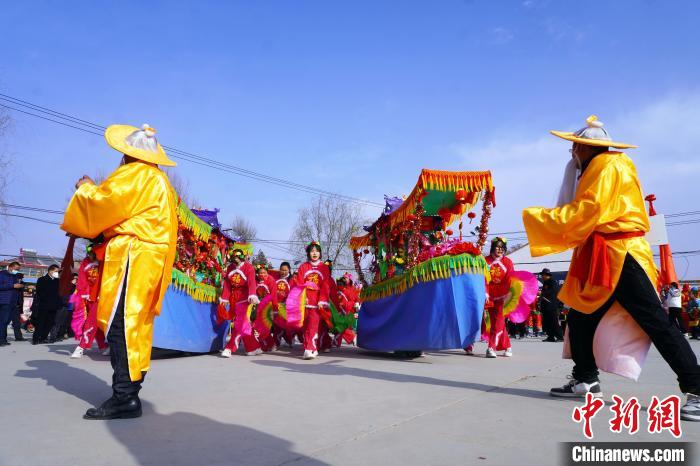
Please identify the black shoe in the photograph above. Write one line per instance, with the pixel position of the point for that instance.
(20, 339)
(114, 409)
(4, 343)
(560, 339)
(550, 340)
(576, 389)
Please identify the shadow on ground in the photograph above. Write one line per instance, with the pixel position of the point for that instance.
(333, 368)
(173, 439)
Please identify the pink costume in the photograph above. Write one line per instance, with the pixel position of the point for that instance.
(239, 286)
(316, 277)
(84, 323)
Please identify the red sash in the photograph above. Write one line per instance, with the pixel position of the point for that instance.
(592, 262)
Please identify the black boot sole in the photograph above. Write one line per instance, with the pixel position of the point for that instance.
(128, 415)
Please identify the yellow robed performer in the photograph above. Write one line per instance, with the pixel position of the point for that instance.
(611, 284)
(135, 210)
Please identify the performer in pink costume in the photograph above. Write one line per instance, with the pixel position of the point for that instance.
(501, 267)
(84, 323)
(238, 294)
(284, 286)
(266, 286)
(316, 277)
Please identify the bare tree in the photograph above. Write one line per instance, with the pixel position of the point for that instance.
(333, 222)
(243, 229)
(182, 188)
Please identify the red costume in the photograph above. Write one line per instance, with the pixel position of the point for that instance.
(318, 274)
(284, 286)
(239, 286)
(87, 290)
(498, 290)
(349, 303)
(264, 288)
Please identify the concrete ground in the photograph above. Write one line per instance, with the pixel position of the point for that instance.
(349, 407)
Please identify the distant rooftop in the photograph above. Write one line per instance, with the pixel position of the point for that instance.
(30, 257)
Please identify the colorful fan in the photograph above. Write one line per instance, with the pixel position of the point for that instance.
(242, 318)
(296, 306)
(341, 321)
(523, 291)
(264, 318)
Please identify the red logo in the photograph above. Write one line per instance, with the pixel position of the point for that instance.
(626, 415)
(665, 415)
(586, 413)
(661, 415)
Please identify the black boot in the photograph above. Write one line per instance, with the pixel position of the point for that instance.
(116, 409)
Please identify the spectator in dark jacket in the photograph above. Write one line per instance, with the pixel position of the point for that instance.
(549, 305)
(47, 302)
(9, 289)
(16, 312)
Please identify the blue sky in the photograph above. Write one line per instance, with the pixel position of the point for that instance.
(354, 97)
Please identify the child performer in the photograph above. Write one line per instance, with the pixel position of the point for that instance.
(501, 268)
(238, 293)
(266, 286)
(86, 295)
(349, 300)
(284, 286)
(316, 277)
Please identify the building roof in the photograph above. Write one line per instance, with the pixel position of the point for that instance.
(523, 260)
(30, 258)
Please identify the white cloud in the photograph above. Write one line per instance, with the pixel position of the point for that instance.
(501, 35)
(559, 29)
(527, 171)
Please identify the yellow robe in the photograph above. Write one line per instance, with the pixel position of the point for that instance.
(135, 209)
(608, 199)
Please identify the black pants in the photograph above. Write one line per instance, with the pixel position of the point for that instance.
(17, 322)
(43, 321)
(61, 324)
(638, 296)
(550, 322)
(674, 316)
(122, 386)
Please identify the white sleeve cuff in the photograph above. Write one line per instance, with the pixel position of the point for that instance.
(222, 300)
(85, 296)
(323, 303)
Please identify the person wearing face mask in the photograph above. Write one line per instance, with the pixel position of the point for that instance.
(47, 302)
(610, 286)
(135, 210)
(9, 290)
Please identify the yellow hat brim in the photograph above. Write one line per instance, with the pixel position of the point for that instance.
(116, 137)
(591, 142)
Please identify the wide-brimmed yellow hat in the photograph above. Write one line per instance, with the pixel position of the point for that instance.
(593, 134)
(137, 143)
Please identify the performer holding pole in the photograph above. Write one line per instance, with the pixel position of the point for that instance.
(135, 210)
(612, 272)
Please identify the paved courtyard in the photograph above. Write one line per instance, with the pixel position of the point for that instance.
(349, 407)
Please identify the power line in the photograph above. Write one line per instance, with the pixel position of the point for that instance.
(29, 218)
(96, 129)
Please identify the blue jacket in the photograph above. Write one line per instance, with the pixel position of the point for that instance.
(8, 293)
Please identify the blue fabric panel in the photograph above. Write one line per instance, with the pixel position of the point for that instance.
(436, 315)
(187, 325)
